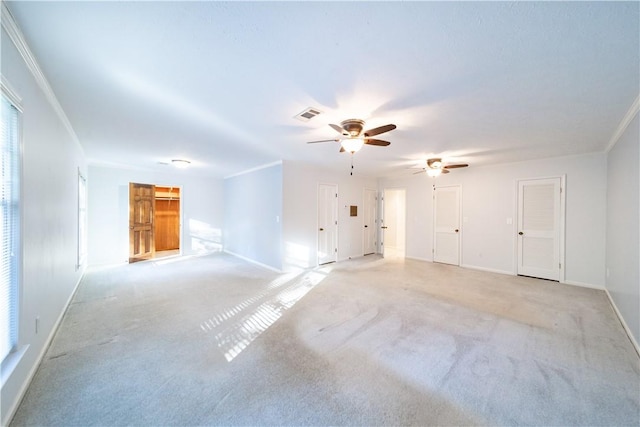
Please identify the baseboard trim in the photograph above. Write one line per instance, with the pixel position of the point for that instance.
(488, 270)
(45, 347)
(252, 261)
(624, 324)
(418, 258)
(583, 285)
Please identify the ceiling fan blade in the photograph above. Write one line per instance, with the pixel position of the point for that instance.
(323, 140)
(342, 150)
(338, 129)
(445, 171)
(422, 171)
(379, 142)
(461, 165)
(379, 130)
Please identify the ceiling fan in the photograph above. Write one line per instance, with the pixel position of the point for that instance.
(353, 137)
(435, 167)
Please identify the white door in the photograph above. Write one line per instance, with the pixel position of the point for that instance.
(383, 227)
(327, 223)
(446, 220)
(539, 228)
(369, 220)
(393, 222)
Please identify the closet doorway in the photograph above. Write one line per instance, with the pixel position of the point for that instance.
(167, 220)
(154, 221)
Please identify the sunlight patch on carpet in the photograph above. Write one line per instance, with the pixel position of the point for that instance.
(237, 327)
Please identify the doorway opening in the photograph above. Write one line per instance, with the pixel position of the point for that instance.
(393, 222)
(154, 221)
(167, 220)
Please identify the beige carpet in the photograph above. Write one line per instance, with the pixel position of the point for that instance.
(217, 341)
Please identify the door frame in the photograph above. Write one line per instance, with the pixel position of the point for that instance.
(562, 225)
(433, 222)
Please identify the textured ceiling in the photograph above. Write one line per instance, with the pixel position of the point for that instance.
(219, 83)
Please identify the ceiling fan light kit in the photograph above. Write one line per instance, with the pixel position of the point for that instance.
(353, 136)
(352, 145)
(434, 172)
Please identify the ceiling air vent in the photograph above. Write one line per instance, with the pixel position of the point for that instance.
(307, 114)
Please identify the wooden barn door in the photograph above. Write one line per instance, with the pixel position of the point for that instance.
(141, 221)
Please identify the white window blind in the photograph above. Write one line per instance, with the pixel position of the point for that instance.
(10, 219)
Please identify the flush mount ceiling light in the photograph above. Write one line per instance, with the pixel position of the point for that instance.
(180, 163)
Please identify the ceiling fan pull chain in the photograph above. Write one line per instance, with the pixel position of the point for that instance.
(351, 163)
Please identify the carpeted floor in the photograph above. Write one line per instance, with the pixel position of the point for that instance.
(217, 341)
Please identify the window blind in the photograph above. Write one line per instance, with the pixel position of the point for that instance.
(10, 225)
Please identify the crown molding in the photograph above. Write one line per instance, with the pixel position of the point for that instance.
(624, 123)
(13, 31)
(257, 168)
(10, 92)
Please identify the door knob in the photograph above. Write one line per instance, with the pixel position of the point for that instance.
(521, 233)
(457, 230)
(366, 226)
(384, 226)
(322, 229)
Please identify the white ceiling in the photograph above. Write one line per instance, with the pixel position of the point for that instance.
(218, 83)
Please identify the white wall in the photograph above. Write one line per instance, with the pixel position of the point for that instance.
(49, 203)
(489, 198)
(108, 211)
(300, 213)
(623, 218)
(253, 215)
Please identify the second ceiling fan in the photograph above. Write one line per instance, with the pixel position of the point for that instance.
(435, 167)
(353, 137)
